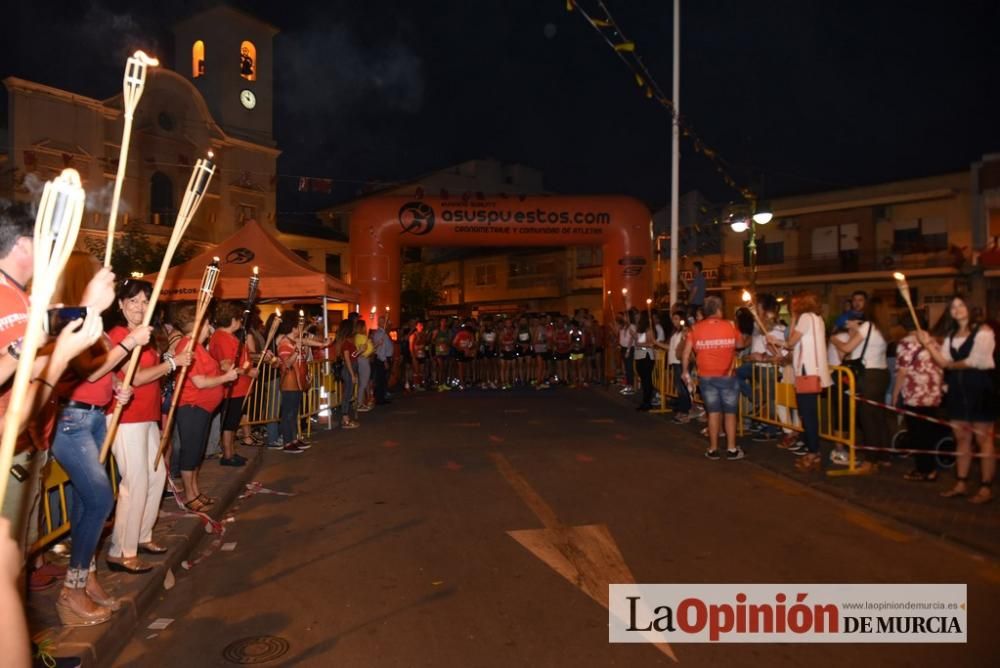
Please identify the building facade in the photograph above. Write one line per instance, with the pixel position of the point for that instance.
(218, 98)
(935, 230)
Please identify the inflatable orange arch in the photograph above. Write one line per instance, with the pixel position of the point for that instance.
(381, 226)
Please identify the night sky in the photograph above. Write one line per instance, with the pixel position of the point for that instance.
(797, 95)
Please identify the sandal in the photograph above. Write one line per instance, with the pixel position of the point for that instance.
(917, 476)
(984, 495)
(809, 462)
(207, 500)
(956, 491)
(195, 505)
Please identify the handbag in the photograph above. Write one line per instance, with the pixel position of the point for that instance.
(857, 366)
(810, 384)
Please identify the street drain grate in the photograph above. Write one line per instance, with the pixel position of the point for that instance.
(256, 649)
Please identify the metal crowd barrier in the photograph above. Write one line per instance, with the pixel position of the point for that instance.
(774, 402)
(663, 382)
(262, 407)
(55, 481)
(264, 402)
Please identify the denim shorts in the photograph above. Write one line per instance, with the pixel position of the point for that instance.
(720, 393)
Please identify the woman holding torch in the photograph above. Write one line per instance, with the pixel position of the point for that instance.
(967, 359)
(201, 394)
(79, 431)
(291, 357)
(137, 439)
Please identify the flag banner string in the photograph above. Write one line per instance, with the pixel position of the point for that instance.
(625, 49)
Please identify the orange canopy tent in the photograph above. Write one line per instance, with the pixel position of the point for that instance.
(284, 276)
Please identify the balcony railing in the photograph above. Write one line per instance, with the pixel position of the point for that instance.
(535, 281)
(845, 263)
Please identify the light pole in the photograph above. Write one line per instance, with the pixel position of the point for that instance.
(759, 215)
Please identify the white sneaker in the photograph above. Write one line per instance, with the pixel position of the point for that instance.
(840, 458)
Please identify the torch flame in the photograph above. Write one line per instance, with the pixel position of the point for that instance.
(211, 154)
(746, 296)
(277, 311)
(899, 276)
(624, 291)
(648, 301)
(70, 176)
(255, 271)
(145, 59)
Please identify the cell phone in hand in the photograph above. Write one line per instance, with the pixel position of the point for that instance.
(57, 318)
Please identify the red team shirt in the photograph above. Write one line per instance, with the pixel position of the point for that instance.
(13, 323)
(714, 343)
(223, 347)
(146, 400)
(464, 341)
(203, 365)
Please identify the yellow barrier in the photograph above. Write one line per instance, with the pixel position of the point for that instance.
(321, 395)
(663, 382)
(55, 480)
(837, 409)
(263, 404)
(261, 407)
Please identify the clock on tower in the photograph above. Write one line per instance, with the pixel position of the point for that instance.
(229, 56)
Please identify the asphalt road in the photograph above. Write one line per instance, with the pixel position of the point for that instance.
(395, 550)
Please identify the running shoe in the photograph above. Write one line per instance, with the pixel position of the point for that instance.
(680, 418)
(734, 455)
(712, 454)
(799, 450)
(292, 449)
(275, 446)
(303, 444)
(840, 458)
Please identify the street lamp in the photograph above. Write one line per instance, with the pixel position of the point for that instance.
(741, 221)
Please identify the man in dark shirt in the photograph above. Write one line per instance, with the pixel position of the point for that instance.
(696, 289)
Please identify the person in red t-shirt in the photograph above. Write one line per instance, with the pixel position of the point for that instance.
(82, 594)
(464, 343)
(137, 440)
(80, 430)
(714, 342)
(223, 346)
(201, 395)
(562, 345)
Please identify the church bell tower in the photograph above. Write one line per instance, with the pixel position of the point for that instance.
(229, 56)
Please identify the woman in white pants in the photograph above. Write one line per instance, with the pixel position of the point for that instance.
(137, 441)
